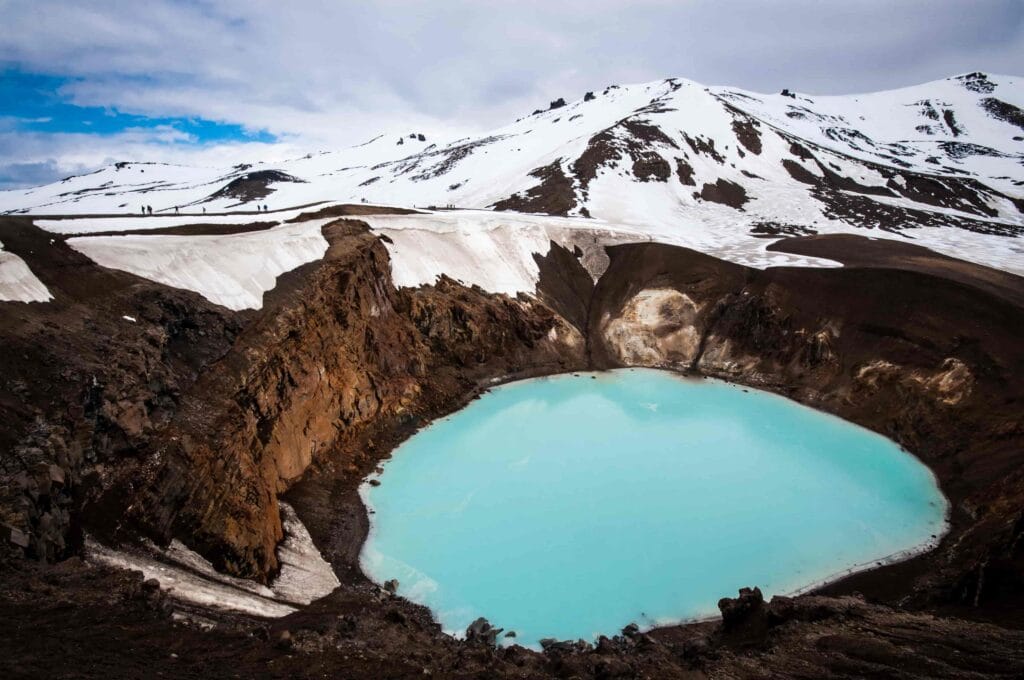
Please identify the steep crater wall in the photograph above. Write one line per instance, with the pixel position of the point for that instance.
(927, 361)
(340, 354)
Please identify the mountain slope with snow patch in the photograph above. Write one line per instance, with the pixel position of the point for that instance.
(715, 168)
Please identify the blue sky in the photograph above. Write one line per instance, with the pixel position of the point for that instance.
(33, 102)
(36, 106)
(217, 82)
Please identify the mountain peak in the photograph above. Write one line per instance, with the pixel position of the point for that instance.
(680, 158)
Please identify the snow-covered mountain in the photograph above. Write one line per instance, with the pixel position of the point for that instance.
(714, 168)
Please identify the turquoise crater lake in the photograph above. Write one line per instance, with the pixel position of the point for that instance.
(570, 506)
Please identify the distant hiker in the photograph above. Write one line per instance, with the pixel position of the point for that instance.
(204, 209)
(150, 209)
(264, 207)
(175, 210)
(143, 210)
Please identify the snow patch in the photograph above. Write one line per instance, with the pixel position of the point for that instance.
(230, 270)
(17, 282)
(491, 250)
(305, 575)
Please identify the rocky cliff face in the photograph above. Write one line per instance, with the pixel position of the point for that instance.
(926, 361)
(85, 383)
(338, 352)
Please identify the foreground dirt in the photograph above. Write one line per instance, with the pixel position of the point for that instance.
(192, 421)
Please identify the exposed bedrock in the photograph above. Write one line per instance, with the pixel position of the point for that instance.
(339, 351)
(85, 383)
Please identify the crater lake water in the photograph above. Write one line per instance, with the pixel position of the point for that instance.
(570, 506)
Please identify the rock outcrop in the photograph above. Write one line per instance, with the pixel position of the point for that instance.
(337, 352)
(86, 381)
(915, 355)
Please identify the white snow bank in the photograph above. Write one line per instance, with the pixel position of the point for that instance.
(497, 258)
(17, 282)
(494, 250)
(305, 575)
(491, 250)
(230, 270)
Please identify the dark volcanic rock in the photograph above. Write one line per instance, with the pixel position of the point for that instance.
(651, 167)
(725, 192)
(746, 130)
(705, 147)
(779, 229)
(253, 186)
(564, 285)
(554, 195)
(352, 352)
(977, 82)
(685, 172)
(632, 138)
(1004, 111)
(82, 387)
(481, 630)
(744, 618)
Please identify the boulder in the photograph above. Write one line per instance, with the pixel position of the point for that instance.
(481, 630)
(14, 536)
(744, 618)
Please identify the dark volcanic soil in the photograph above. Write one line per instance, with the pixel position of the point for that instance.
(192, 421)
(252, 186)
